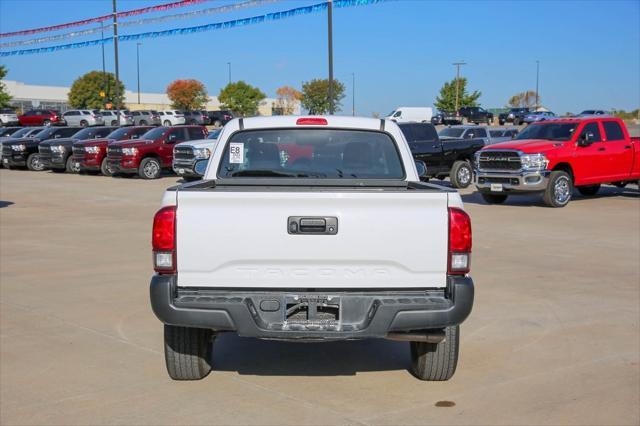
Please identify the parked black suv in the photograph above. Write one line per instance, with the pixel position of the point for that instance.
(452, 158)
(514, 115)
(56, 154)
(24, 152)
(220, 118)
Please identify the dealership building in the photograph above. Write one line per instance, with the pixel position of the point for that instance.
(28, 96)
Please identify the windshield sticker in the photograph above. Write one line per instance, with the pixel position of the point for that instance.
(236, 153)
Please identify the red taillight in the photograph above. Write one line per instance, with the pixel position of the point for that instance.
(314, 121)
(164, 240)
(459, 256)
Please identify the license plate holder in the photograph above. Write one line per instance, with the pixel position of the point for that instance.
(496, 187)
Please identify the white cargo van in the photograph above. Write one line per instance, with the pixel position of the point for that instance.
(411, 114)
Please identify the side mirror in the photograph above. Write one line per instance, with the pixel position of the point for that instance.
(201, 167)
(586, 139)
(172, 138)
(421, 167)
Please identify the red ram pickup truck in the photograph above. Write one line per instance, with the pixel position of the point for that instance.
(555, 156)
(152, 153)
(91, 155)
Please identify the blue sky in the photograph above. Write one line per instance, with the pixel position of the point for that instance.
(400, 51)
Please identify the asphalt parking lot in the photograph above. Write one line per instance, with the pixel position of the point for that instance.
(554, 337)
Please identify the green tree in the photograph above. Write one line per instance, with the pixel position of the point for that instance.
(4, 96)
(85, 91)
(446, 101)
(315, 96)
(241, 98)
(523, 99)
(188, 95)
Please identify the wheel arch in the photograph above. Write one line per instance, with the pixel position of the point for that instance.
(565, 167)
(152, 155)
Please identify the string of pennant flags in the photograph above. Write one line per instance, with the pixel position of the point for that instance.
(275, 16)
(145, 21)
(124, 14)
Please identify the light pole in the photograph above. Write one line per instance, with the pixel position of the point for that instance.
(353, 94)
(138, 66)
(229, 65)
(115, 52)
(330, 42)
(457, 65)
(537, 84)
(105, 83)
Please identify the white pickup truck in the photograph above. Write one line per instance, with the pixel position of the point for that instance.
(311, 229)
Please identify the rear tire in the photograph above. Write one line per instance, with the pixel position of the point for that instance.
(436, 361)
(114, 122)
(34, 164)
(83, 123)
(461, 174)
(143, 122)
(166, 123)
(150, 168)
(493, 198)
(589, 191)
(187, 352)
(105, 169)
(501, 122)
(559, 190)
(46, 123)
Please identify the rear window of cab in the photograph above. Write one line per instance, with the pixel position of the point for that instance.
(311, 153)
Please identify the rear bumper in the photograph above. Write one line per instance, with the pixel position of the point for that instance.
(533, 181)
(336, 314)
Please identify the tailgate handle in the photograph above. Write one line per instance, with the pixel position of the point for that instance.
(305, 225)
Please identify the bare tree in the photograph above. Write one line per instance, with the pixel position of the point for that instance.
(524, 99)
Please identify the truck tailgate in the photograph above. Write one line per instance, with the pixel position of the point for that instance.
(385, 239)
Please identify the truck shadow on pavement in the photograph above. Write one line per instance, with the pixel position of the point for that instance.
(250, 356)
(535, 200)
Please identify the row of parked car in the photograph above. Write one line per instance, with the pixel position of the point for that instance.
(109, 150)
(550, 156)
(516, 116)
(88, 118)
(146, 150)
